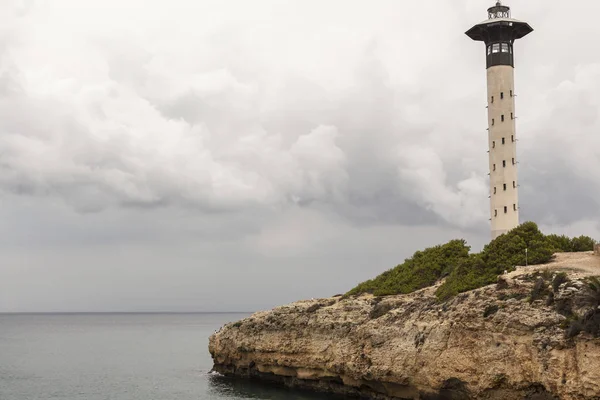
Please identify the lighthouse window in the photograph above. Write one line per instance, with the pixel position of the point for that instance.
(495, 213)
(502, 117)
(494, 168)
(505, 47)
(513, 161)
(502, 140)
(496, 48)
(504, 187)
(511, 95)
(493, 144)
(492, 99)
(501, 95)
(512, 138)
(504, 163)
(489, 49)
(494, 189)
(492, 121)
(514, 184)
(505, 209)
(515, 207)
(511, 116)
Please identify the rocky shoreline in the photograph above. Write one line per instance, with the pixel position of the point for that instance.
(511, 340)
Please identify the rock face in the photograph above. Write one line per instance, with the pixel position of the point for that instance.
(511, 340)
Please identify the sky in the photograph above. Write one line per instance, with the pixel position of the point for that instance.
(233, 155)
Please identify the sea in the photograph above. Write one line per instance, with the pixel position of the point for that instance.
(120, 357)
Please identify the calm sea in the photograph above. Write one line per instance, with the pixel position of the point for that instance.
(118, 357)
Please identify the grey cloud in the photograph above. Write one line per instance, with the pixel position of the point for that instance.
(290, 145)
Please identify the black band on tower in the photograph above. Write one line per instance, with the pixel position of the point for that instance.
(499, 33)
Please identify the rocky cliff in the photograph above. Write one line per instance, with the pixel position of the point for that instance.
(531, 335)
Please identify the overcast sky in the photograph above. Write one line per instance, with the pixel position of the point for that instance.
(200, 155)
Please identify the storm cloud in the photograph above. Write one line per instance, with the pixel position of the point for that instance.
(233, 155)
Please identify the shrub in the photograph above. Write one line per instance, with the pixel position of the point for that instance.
(380, 309)
(470, 273)
(591, 323)
(501, 283)
(490, 310)
(539, 289)
(564, 307)
(558, 280)
(560, 243)
(501, 254)
(563, 243)
(508, 250)
(464, 271)
(593, 292)
(313, 308)
(550, 299)
(582, 243)
(423, 269)
(574, 329)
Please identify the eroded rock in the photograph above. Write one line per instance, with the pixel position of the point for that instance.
(491, 343)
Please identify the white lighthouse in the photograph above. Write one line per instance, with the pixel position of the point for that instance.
(499, 33)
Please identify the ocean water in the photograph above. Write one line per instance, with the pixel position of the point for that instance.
(119, 357)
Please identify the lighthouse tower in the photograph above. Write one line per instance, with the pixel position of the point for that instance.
(499, 33)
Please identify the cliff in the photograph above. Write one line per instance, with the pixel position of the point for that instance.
(532, 335)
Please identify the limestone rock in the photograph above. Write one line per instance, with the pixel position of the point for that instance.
(491, 343)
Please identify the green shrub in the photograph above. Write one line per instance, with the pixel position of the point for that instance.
(423, 269)
(464, 271)
(563, 243)
(560, 243)
(582, 243)
(501, 254)
(470, 273)
(508, 250)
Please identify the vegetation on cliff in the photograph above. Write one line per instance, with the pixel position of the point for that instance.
(466, 271)
(423, 269)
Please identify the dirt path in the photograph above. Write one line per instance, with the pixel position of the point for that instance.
(580, 264)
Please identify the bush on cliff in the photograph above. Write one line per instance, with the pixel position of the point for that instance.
(464, 271)
(590, 321)
(470, 273)
(582, 243)
(423, 269)
(501, 254)
(563, 243)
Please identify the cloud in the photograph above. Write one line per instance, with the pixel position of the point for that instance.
(271, 132)
(563, 151)
(123, 120)
(117, 125)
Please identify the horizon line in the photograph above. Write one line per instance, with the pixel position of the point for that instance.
(119, 312)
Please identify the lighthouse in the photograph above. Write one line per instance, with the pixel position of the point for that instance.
(499, 33)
